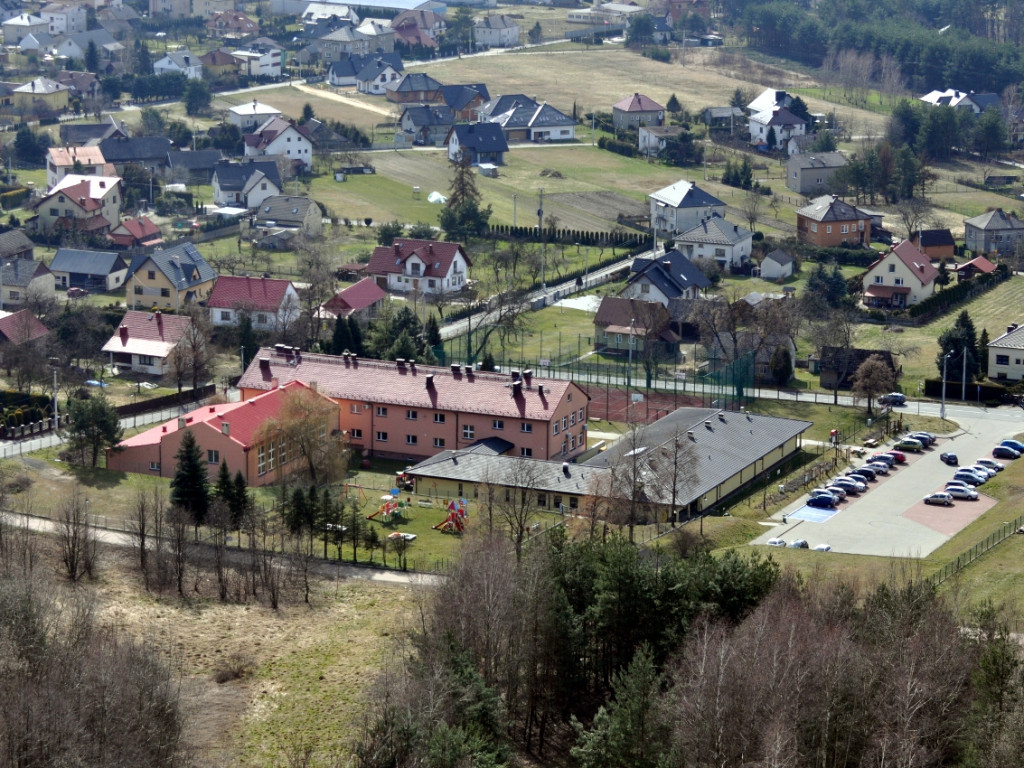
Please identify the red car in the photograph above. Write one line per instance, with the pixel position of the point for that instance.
(77, 293)
(900, 456)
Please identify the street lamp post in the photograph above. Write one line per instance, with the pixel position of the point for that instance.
(629, 366)
(54, 363)
(942, 407)
(515, 206)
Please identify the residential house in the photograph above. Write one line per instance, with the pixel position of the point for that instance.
(25, 280)
(169, 277)
(773, 128)
(900, 278)
(379, 35)
(22, 25)
(403, 410)
(272, 305)
(80, 134)
(637, 110)
(777, 265)
(622, 325)
(15, 244)
(344, 72)
(838, 365)
(245, 185)
(232, 25)
(502, 104)
(278, 137)
(935, 243)
(496, 31)
(362, 300)
(18, 328)
(996, 232)
(724, 118)
(95, 271)
(136, 234)
(957, 99)
(82, 161)
(811, 175)
(76, 45)
(828, 221)
(682, 206)
(427, 124)
(145, 341)
(540, 122)
(147, 151)
(170, 9)
(38, 43)
(979, 265)
(89, 204)
(769, 99)
(798, 145)
(81, 85)
(375, 76)
(193, 166)
(259, 61)
(315, 12)
(219, 63)
(207, 9)
(428, 266)
(476, 143)
(664, 278)
(298, 213)
(183, 62)
(237, 434)
(39, 95)
(121, 21)
(464, 100)
(758, 348)
(432, 25)
(249, 116)
(715, 238)
(652, 140)
(1006, 354)
(64, 18)
(410, 34)
(342, 42)
(415, 88)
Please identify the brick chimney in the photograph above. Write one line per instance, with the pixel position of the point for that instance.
(123, 330)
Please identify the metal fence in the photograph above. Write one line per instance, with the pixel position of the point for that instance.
(965, 558)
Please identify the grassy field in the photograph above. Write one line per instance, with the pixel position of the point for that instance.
(847, 420)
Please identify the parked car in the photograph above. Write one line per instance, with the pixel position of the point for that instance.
(969, 477)
(925, 438)
(865, 472)
(910, 444)
(850, 484)
(838, 491)
(887, 458)
(960, 492)
(900, 456)
(893, 398)
(1005, 452)
(982, 470)
(878, 467)
(991, 464)
(958, 484)
(941, 497)
(823, 548)
(776, 542)
(77, 293)
(798, 544)
(822, 502)
(1017, 445)
(821, 492)
(949, 458)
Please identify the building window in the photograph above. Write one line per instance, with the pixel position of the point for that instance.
(151, 274)
(225, 315)
(213, 457)
(411, 415)
(1002, 359)
(526, 452)
(572, 419)
(261, 460)
(410, 439)
(565, 422)
(828, 229)
(154, 466)
(261, 319)
(814, 226)
(356, 434)
(146, 360)
(439, 418)
(581, 416)
(898, 281)
(645, 287)
(892, 267)
(498, 424)
(439, 442)
(554, 428)
(138, 290)
(525, 427)
(382, 437)
(557, 501)
(468, 431)
(878, 279)
(382, 410)
(165, 292)
(542, 500)
(270, 457)
(55, 211)
(354, 408)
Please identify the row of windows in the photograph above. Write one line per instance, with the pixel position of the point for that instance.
(1005, 360)
(896, 280)
(568, 421)
(843, 229)
(468, 430)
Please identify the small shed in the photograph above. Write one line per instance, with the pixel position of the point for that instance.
(488, 169)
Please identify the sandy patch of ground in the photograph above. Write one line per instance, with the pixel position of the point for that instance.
(586, 303)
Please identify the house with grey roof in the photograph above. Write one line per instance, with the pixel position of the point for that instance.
(664, 278)
(299, 214)
(536, 122)
(496, 31)
(415, 88)
(95, 271)
(715, 238)
(75, 46)
(465, 100)
(477, 143)
(169, 277)
(682, 206)
(1006, 354)
(811, 174)
(147, 151)
(773, 128)
(343, 73)
(22, 25)
(15, 244)
(192, 167)
(245, 185)
(183, 62)
(994, 231)
(24, 280)
(777, 265)
(374, 77)
(427, 124)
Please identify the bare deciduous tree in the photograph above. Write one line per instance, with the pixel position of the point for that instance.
(518, 502)
(78, 543)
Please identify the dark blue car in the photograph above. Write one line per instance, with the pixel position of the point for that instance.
(822, 502)
(1017, 445)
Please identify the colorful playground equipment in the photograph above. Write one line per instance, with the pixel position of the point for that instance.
(455, 522)
(390, 507)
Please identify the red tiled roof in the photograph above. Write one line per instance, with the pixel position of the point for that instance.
(270, 130)
(981, 264)
(142, 229)
(80, 195)
(258, 293)
(919, 264)
(148, 333)
(244, 419)
(638, 103)
(435, 255)
(378, 381)
(363, 294)
(19, 327)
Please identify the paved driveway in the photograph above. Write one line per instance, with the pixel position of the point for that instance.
(889, 519)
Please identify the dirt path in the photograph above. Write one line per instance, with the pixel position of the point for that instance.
(354, 103)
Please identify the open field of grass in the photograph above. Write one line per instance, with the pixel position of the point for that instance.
(847, 420)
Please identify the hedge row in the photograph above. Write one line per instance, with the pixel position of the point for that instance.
(13, 199)
(618, 147)
(950, 297)
(563, 236)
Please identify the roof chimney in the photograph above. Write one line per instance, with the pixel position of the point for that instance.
(1011, 328)
(527, 376)
(517, 388)
(430, 381)
(265, 363)
(565, 468)
(159, 318)
(225, 429)
(540, 390)
(181, 422)
(455, 369)
(123, 330)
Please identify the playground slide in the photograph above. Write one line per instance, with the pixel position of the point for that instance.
(370, 517)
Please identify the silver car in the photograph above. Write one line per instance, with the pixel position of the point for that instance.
(959, 492)
(991, 464)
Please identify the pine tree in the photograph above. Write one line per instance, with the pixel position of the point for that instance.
(190, 486)
(983, 351)
(341, 341)
(432, 332)
(355, 332)
(487, 363)
(224, 488)
(298, 511)
(241, 501)
(673, 105)
(404, 347)
(248, 346)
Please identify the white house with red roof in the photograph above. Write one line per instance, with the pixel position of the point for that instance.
(427, 266)
(145, 340)
(364, 300)
(635, 111)
(272, 305)
(900, 278)
(236, 433)
(90, 204)
(278, 137)
(402, 410)
(140, 232)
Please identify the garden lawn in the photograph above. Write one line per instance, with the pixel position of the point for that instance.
(846, 419)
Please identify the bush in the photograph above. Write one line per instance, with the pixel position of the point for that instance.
(236, 666)
(14, 198)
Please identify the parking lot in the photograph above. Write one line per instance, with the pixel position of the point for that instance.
(890, 518)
